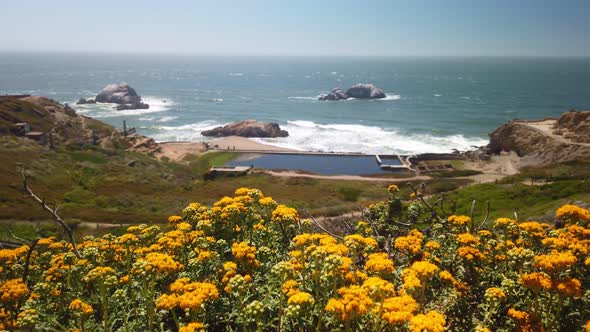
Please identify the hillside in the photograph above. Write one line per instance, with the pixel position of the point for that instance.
(545, 142)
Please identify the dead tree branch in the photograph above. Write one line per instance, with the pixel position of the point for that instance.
(315, 222)
(53, 212)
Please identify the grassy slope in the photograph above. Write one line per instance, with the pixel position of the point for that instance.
(96, 185)
(550, 188)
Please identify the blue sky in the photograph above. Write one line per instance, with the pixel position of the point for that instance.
(299, 27)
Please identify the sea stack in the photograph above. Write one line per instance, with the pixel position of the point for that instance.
(247, 128)
(118, 93)
(358, 91)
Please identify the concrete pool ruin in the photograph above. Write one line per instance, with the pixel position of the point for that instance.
(324, 163)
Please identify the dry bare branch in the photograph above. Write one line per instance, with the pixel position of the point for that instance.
(53, 212)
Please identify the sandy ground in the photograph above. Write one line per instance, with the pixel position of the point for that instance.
(498, 167)
(177, 151)
(345, 177)
(242, 144)
(546, 127)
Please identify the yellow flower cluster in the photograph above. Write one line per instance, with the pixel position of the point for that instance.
(459, 220)
(467, 239)
(267, 202)
(300, 298)
(358, 242)
(354, 302)
(245, 254)
(533, 228)
(99, 273)
(570, 287)
(411, 244)
(430, 322)
(555, 261)
(503, 222)
(495, 293)
(379, 263)
(81, 307)
(572, 212)
(188, 295)
(392, 189)
(192, 327)
(13, 290)
(174, 219)
(284, 214)
(415, 276)
(399, 309)
(378, 288)
(161, 263)
(536, 280)
(470, 253)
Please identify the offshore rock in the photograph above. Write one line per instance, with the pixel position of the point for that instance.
(358, 91)
(247, 128)
(122, 94)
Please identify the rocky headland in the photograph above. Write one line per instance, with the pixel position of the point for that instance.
(247, 128)
(357, 91)
(545, 142)
(117, 93)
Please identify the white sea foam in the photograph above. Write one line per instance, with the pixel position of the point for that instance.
(310, 136)
(167, 118)
(236, 74)
(304, 98)
(189, 132)
(437, 95)
(107, 110)
(307, 135)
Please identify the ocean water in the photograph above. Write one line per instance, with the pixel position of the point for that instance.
(432, 104)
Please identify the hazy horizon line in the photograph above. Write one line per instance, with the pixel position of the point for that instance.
(283, 55)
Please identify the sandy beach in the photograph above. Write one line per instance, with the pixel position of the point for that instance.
(243, 144)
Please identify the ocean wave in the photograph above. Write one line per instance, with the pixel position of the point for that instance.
(307, 135)
(107, 110)
(189, 132)
(304, 98)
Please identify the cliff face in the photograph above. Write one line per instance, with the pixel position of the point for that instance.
(545, 142)
(44, 115)
(574, 125)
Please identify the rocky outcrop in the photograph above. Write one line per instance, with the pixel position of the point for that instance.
(336, 94)
(122, 94)
(365, 91)
(84, 101)
(538, 143)
(247, 128)
(358, 91)
(574, 125)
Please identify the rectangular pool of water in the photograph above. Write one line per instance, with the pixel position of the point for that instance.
(319, 164)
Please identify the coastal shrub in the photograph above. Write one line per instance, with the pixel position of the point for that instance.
(350, 194)
(250, 263)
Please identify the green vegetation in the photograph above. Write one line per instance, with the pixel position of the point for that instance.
(530, 193)
(95, 185)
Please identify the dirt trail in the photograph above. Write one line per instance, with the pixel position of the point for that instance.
(546, 127)
(343, 177)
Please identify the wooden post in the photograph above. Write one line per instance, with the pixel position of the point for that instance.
(125, 128)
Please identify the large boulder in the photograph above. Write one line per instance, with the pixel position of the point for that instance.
(358, 91)
(247, 128)
(336, 94)
(365, 91)
(122, 94)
